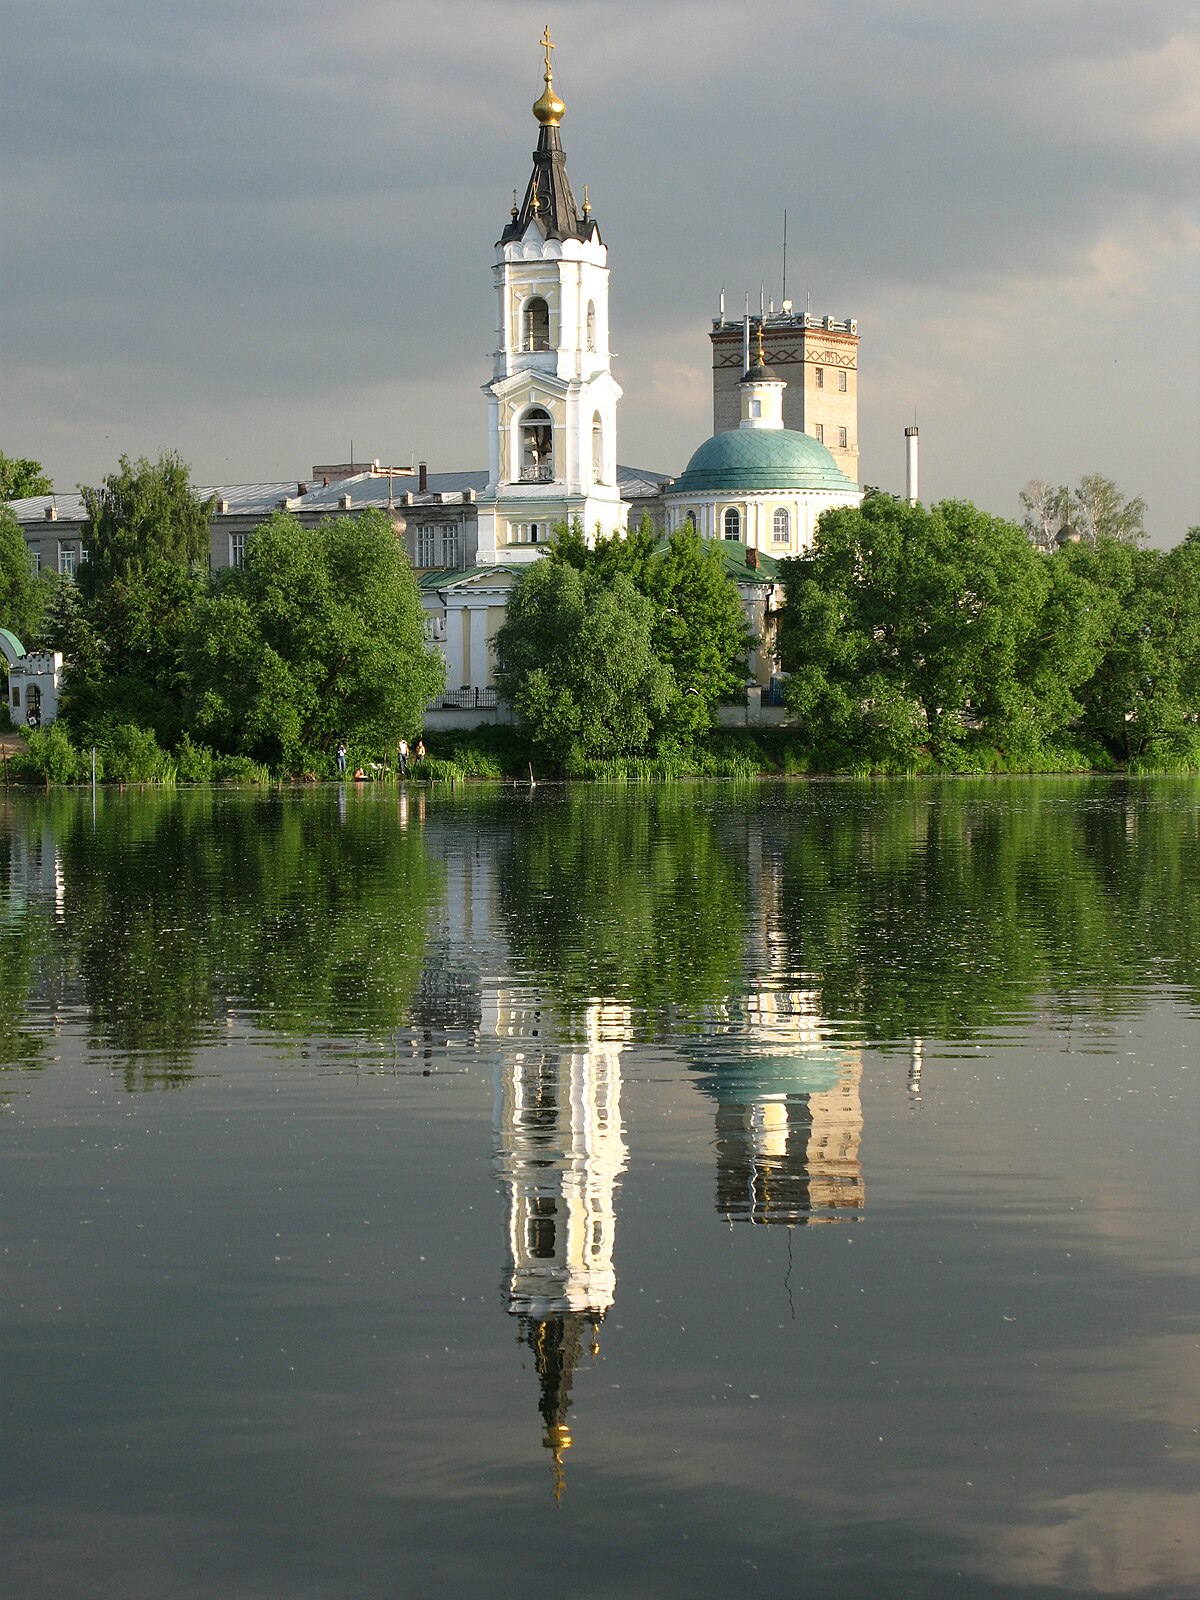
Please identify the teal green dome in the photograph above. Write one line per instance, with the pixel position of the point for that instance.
(760, 458)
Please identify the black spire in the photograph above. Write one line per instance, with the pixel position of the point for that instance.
(549, 197)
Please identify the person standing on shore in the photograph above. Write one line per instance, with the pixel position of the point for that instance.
(402, 758)
(341, 759)
(421, 753)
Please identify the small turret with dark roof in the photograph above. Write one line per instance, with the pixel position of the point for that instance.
(549, 199)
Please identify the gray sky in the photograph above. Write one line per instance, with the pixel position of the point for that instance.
(252, 231)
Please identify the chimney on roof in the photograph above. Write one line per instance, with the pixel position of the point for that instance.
(51, 513)
(345, 501)
(222, 507)
(422, 477)
(752, 559)
(468, 496)
(301, 489)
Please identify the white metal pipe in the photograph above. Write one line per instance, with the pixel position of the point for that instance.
(911, 491)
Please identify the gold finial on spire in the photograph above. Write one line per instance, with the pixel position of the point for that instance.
(558, 1439)
(762, 357)
(548, 108)
(535, 203)
(587, 204)
(516, 208)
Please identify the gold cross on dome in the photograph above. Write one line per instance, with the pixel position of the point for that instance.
(548, 45)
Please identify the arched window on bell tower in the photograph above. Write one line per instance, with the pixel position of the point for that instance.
(535, 334)
(537, 446)
(597, 449)
(733, 523)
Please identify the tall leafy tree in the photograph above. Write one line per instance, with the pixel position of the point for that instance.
(1143, 699)
(575, 659)
(21, 478)
(699, 631)
(22, 596)
(319, 636)
(144, 515)
(146, 542)
(911, 631)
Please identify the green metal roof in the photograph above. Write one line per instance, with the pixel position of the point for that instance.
(733, 558)
(13, 641)
(760, 459)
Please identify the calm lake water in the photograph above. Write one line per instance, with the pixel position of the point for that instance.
(785, 1190)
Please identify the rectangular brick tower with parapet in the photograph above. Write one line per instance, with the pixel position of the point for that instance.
(817, 357)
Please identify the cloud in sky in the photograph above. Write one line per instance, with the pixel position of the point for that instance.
(251, 231)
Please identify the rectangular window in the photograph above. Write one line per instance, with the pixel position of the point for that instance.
(449, 547)
(237, 549)
(819, 377)
(427, 545)
(842, 381)
(842, 438)
(16, 695)
(35, 563)
(66, 560)
(820, 433)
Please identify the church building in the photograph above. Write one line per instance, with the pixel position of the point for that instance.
(784, 447)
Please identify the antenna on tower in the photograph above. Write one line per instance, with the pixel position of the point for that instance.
(784, 295)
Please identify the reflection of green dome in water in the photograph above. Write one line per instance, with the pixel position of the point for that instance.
(737, 1076)
(761, 458)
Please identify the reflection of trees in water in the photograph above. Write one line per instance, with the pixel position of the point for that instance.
(29, 885)
(915, 910)
(938, 909)
(181, 911)
(636, 899)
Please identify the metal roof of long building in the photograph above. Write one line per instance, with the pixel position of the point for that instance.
(364, 489)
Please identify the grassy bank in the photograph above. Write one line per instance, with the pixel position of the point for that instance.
(130, 755)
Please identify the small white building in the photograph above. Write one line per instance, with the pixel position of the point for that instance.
(34, 681)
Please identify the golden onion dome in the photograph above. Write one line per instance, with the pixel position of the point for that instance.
(548, 108)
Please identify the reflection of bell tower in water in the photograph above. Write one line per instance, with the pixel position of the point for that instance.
(559, 1152)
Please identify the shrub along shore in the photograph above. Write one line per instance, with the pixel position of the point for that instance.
(132, 755)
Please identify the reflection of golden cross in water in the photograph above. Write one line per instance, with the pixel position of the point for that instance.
(549, 45)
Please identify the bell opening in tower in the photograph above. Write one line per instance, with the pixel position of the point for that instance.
(537, 447)
(537, 326)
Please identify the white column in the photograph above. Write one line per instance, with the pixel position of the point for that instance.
(911, 490)
(454, 647)
(479, 648)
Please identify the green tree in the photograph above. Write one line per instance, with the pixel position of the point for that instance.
(319, 636)
(144, 516)
(146, 539)
(911, 632)
(575, 659)
(699, 630)
(22, 596)
(1143, 699)
(21, 478)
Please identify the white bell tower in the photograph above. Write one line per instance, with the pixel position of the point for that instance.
(552, 400)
